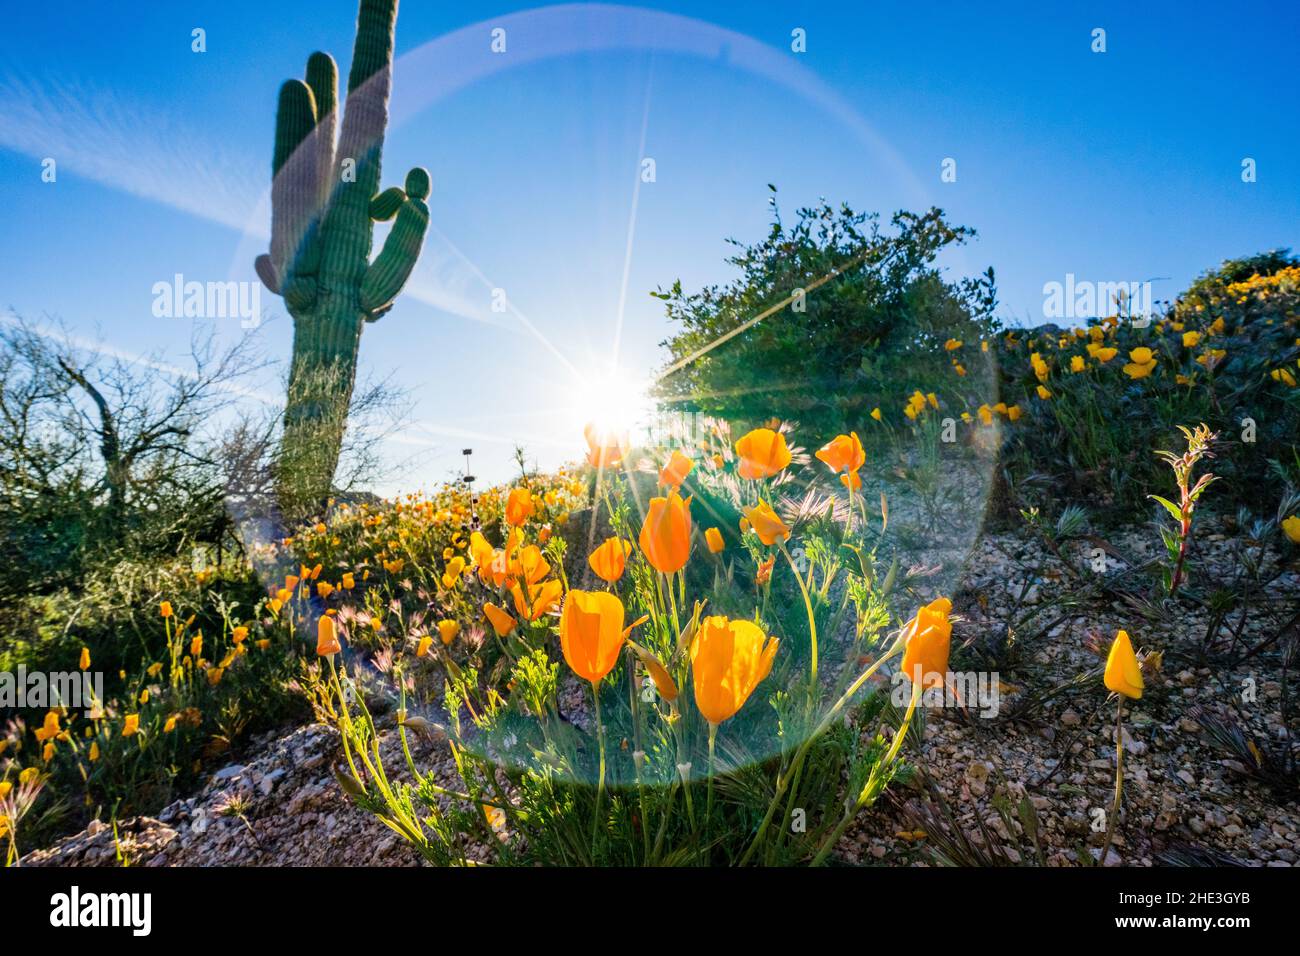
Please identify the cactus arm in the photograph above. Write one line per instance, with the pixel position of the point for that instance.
(300, 293)
(392, 267)
(293, 191)
(384, 206)
(369, 84)
(295, 116)
(417, 183)
(323, 78)
(265, 270)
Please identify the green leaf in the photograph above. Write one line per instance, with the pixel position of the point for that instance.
(1172, 508)
(1201, 485)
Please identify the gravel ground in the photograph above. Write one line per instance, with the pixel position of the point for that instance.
(281, 808)
(1184, 799)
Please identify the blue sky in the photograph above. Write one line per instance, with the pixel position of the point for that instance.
(1118, 166)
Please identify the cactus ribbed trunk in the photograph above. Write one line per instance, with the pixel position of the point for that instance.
(324, 204)
(322, 374)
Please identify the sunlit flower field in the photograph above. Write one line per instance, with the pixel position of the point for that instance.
(851, 569)
(735, 647)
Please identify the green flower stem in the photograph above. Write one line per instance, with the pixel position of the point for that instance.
(681, 753)
(663, 821)
(600, 783)
(645, 819)
(634, 705)
(672, 600)
(345, 721)
(400, 821)
(708, 806)
(812, 618)
(1119, 780)
(634, 700)
(783, 780)
(872, 787)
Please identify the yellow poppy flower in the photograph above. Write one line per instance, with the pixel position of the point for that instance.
(1123, 674)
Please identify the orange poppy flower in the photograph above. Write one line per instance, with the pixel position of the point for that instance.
(531, 564)
(327, 638)
(928, 638)
(675, 472)
(1123, 673)
(843, 453)
(501, 620)
(606, 448)
(519, 506)
(591, 633)
(447, 631)
(763, 453)
(666, 533)
(609, 560)
(766, 524)
(728, 660)
(538, 600)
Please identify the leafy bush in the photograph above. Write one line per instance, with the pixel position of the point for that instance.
(1226, 353)
(1073, 412)
(871, 322)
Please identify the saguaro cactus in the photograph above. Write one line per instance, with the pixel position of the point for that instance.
(324, 201)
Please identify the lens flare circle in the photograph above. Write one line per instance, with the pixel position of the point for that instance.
(930, 490)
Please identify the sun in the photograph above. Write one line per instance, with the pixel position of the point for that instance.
(616, 402)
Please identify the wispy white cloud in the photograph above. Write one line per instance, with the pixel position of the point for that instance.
(145, 150)
(142, 149)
